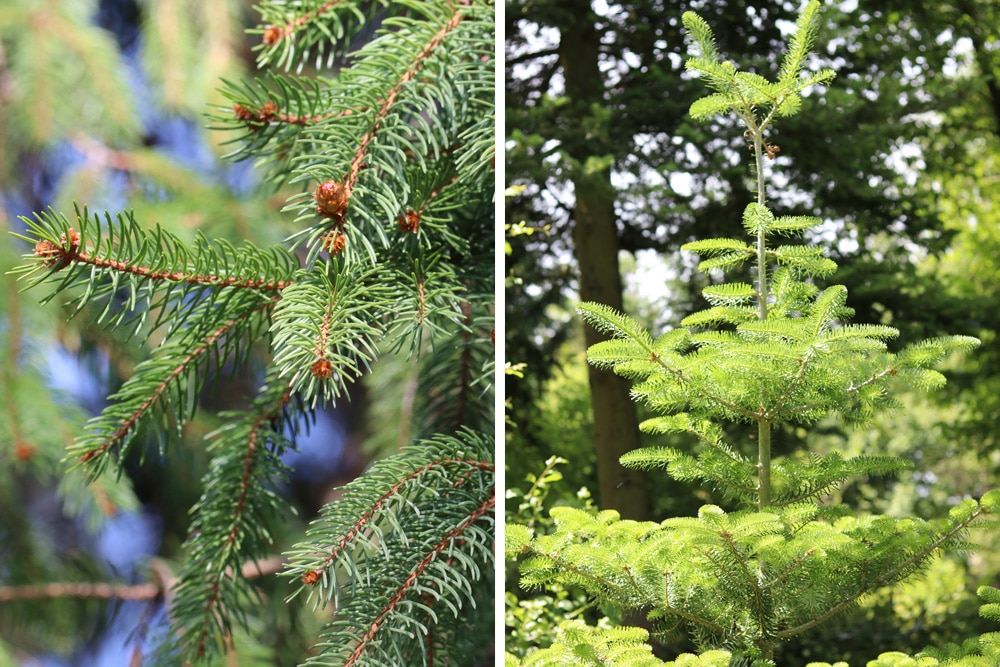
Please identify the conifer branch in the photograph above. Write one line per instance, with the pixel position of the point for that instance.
(887, 577)
(269, 113)
(155, 270)
(74, 589)
(414, 577)
(228, 525)
(325, 329)
(160, 375)
(396, 491)
(275, 33)
(793, 384)
(851, 390)
(795, 564)
(408, 522)
(754, 583)
(351, 179)
(62, 257)
(108, 591)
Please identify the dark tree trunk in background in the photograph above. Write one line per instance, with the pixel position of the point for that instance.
(982, 33)
(595, 245)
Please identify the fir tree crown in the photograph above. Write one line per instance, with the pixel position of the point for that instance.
(775, 351)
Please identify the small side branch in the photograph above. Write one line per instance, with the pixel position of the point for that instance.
(269, 113)
(418, 62)
(276, 33)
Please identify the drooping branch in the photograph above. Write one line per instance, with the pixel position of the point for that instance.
(157, 393)
(886, 577)
(261, 421)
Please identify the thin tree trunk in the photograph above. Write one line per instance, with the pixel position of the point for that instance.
(595, 243)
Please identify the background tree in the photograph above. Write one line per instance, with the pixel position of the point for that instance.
(383, 151)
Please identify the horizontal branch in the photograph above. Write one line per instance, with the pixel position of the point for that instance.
(74, 589)
(60, 257)
(107, 591)
(883, 579)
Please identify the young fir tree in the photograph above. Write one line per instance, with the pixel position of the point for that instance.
(390, 140)
(777, 352)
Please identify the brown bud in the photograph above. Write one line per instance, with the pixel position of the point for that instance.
(310, 577)
(74, 239)
(331, 200)
(269, 110)
(59, 255)
(334, 242)
(242, 112)
(49, 250)
(409, 223)
(322, 369)
(273, 35)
